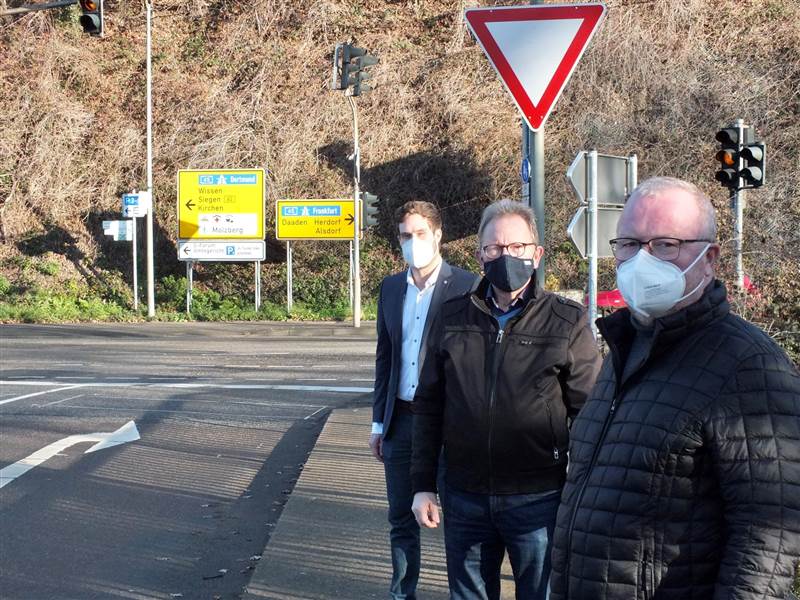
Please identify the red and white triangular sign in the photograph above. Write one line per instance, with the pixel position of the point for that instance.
(534, 49)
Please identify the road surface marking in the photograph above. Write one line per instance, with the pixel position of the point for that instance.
(69, 387)
(314, 413)
(126, 433)
(185, 385)
(58, 401)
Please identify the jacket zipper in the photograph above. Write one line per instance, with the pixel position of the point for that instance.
(492, 387)
(552, 428)
(582, 489)
(645, 576)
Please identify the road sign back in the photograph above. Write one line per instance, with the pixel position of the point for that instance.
(534, 49)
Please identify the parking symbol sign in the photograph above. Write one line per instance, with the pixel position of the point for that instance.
(230, 250)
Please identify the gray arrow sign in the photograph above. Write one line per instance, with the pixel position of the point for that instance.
(612, 178)
(577, 230)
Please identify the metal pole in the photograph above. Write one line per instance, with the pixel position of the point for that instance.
(135, 269)
(289, 302)
(592, 245)
(151, 297)
(34, 7)
(258, 285)
(633, 173)
(189, 274)
(357, 219)
(738, 203)
(536, 148)
(350, 275)
(537, 193)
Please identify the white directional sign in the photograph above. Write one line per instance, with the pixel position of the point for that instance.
(534, 49)
(120, 230)
(126, 433)
(136, 204)
(232, 251)
(607, 218)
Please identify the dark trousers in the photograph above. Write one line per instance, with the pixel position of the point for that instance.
(481, 528)
(404, 535)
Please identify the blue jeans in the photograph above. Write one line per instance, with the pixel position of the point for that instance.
(404, 534)
(479, 530)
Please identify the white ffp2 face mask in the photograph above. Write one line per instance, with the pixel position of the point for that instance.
(418, 253)
(651, 286)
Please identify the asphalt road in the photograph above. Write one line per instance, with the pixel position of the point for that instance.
(225, 416)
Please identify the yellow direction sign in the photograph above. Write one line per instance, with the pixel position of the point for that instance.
(314, 219)
(220, 203)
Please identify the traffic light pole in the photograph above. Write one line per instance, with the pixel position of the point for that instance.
(738, 205)
(151, 301)
(356, 218)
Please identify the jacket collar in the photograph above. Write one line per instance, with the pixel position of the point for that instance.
(618, 331)
(481, 295)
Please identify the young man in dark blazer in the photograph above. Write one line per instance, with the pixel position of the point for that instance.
(406, 306)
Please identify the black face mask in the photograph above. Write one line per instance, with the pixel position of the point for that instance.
(509, 273)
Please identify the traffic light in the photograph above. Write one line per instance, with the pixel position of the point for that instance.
(369, 209)
(728, 156)
(92, 18)
(349, 63)
(754, 157)
(742, 161)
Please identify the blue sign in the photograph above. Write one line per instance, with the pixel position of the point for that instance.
(130, 199)
(228, 179)
(525, 170)
(230, 250)
(311, 211)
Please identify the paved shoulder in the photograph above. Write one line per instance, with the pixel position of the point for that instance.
(332, 539)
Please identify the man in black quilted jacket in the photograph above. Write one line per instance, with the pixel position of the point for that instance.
(684, 472)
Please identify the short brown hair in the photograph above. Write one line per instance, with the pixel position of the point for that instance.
(421, 208)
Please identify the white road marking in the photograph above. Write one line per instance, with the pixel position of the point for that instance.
(126, 433)
(58, 401)
(369, 379)
(186, 412)
(73, 377)
(183, 385)
(316, 379)
(6, 401)
(26, 376)
(314, 413)
(243, 366)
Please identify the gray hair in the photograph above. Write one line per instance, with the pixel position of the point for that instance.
(507, 207)
(656, 186)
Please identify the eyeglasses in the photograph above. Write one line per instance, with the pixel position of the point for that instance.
(663, 247)
(515, 249)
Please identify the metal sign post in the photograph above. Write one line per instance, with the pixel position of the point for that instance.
(189, 273)
(151, 296)
(135, 269)
(592, 201)
(357, 219)
(533, 184)
(257, 265)
(289, 302)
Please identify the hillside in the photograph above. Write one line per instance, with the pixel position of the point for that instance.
(245, 83)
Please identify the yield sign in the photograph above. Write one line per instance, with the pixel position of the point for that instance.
(534, 49)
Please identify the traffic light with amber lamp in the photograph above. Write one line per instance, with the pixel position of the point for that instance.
(91, 18)
(369, 209)
(728, 157)
(754, 157)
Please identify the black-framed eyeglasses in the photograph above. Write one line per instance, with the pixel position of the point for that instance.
(515, 249)
(664, 248)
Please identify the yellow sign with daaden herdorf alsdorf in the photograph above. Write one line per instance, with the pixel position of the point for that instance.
(221, 204)
(323, 219)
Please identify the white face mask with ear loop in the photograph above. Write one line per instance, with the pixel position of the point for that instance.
(418, 253)
(651, 286)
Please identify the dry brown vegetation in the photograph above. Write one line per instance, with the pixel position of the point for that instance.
(244, 83)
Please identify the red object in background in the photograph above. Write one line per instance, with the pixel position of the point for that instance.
(750, 287)
(612, 299)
